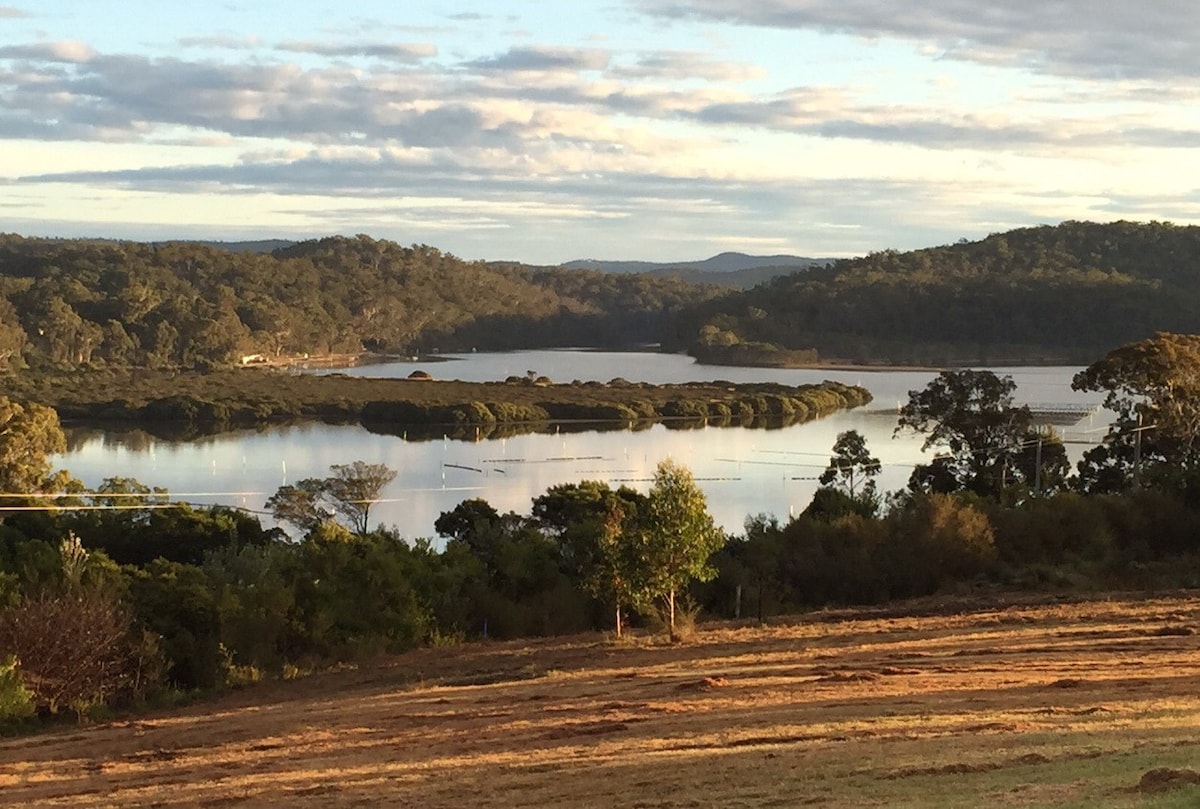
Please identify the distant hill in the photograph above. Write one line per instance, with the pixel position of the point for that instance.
(722, 263)
(1052, 294)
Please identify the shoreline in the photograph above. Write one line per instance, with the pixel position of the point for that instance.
(364, 358)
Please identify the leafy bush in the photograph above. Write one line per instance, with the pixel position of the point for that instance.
(16, 701)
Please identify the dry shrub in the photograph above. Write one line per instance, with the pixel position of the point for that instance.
(74, 650)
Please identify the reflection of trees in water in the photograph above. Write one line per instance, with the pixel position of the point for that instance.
(153, 433)
(487, 432)
(133, 439)
(144, 438)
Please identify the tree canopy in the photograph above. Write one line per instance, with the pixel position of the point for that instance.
(677, 536)
(1153, 386)
(987, 442)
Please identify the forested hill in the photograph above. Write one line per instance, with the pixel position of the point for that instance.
(71, 303)
(1065, 293)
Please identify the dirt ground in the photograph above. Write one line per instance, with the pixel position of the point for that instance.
(1068, 704)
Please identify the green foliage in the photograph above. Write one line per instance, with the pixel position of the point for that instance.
(510, 576)
(175, 603)
(988, 444)
(676, 537)
(16, 701)
(938, 539)
(29, 435)
(851, 466)
(353, 597)
(1154, 388)
(134, 527)
(596, 529)
(349, 492)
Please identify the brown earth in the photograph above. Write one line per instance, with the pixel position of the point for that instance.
(1083, 704)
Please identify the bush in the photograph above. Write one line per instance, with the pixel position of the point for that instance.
(74, 650)
(16, 701)
(937, 540)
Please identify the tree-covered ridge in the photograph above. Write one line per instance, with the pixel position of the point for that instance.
(79, 302)
(1051, 293)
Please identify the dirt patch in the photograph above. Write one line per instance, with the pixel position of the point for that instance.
(706, 684)
(1164, 779)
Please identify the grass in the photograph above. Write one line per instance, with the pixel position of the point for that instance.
(1065, 705)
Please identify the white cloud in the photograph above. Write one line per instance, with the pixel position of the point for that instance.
(1107, 41)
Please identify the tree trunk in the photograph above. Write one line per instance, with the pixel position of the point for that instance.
(618, 620)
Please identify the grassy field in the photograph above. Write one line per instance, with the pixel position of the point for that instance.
(1092, 704)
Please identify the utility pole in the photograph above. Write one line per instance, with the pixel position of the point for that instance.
(1037, 468)
(1137, 455)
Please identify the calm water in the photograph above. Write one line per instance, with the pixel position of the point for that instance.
(742, 471)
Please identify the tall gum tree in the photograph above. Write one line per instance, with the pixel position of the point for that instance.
(677, 537)
(1153, 386)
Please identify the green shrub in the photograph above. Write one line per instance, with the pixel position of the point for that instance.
(16, 701)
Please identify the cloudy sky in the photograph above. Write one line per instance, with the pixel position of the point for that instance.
(547, 131)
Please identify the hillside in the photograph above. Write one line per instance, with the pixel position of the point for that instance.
(1064, 705)
(1065, 293)
(73, 302)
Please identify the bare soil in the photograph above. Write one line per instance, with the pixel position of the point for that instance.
(1068, 704)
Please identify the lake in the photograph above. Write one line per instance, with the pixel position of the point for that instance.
(742, 471)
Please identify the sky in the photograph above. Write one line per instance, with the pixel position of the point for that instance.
(543, 132)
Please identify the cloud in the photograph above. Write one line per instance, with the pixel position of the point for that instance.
(544, 58)
(65, 52)
(398, 51)
(10, 13)
(684, 65)
(575, 99)
(1079, 38)
(231, 43)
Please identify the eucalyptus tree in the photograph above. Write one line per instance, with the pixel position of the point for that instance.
(1153, 386)
(348, 492)
(677, 537)
(986, 442)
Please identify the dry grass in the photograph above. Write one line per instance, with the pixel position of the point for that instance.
(1081, 705)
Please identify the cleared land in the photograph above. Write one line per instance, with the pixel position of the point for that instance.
(1072, 704)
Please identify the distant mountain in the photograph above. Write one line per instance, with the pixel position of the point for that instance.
(724, 262)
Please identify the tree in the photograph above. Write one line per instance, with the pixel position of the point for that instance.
(971, 416)
(354, 488)
(677, 536)
(349, 492)
(595, 528)
(29, 435)
(299, 504)
(851, 465)
(12, 336)
(1154, 388)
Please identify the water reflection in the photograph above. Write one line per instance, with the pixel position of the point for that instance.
(743, 471)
